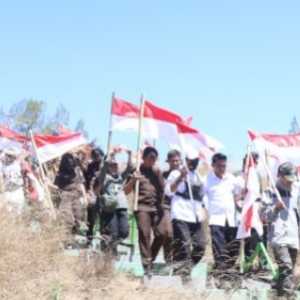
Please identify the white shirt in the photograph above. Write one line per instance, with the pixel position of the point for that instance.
(184, 209)
(12, 176)
(219, 199)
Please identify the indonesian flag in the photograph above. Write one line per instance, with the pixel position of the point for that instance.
(159, 123)
(250, 216)
(172, 128)
(11, 139)
(277, 149)
(125, 115)
(53, 146)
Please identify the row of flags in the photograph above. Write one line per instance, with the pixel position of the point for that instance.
(178, 132)
(162, 124)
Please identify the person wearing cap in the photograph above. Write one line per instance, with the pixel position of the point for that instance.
(113, 205)
(187, 215)
(13, 182)
(149, 214)
(222, 191)
(282, 216)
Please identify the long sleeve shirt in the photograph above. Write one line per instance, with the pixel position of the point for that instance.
(220, 199)
(283, 224)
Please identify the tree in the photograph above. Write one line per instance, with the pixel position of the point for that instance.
(28, 115)
(80, 127)
(31, 114)
(60, 118)
(295, 128)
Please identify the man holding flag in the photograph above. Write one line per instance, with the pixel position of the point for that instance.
(282, 217)
(149, 213)
(187, 216)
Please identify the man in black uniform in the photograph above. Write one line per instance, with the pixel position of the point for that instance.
(91, 173)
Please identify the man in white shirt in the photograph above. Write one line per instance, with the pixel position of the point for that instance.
(13, 182)
(221, 193)
(186, 212)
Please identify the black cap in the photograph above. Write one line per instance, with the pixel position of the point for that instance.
(288, 171)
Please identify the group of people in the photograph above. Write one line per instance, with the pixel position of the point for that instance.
(173, 207)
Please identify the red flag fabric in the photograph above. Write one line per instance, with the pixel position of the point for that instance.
(53, 146)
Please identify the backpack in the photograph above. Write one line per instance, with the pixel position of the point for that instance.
(112, 194)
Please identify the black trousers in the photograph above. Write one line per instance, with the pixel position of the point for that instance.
(254, 239)
(189, 243)
(114, 229)
(225, 246)
(93, 213)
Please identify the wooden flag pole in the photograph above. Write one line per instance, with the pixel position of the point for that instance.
(260, 248)
(139, 146)
(48, 195)
(272, 181)
(109, 140)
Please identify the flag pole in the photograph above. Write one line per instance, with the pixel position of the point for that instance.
(271, 180)
(48, 195)
(242, 247)
(109, 140)
(139, 146)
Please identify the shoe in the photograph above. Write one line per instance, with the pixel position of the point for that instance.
(149, 272)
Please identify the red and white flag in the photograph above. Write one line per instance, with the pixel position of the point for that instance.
(11, 139)
(125, 115)
(159, 123)
(250, 216)
(53, 146)
(277, 149)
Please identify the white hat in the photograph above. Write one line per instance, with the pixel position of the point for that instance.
(192, 154)
(12, 152)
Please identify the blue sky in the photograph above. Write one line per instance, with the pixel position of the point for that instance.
(232, 65)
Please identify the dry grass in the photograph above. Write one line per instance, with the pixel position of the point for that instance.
(33, 266)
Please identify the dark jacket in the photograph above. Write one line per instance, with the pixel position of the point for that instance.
(151, 189)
